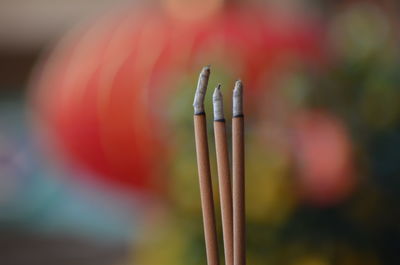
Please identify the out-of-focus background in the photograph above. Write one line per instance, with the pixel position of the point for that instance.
(97, 161)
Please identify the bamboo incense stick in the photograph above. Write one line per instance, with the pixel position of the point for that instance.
(239, 245)
(203, 163)
(224, 178)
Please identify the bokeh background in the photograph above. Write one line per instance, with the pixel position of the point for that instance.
(97, 159)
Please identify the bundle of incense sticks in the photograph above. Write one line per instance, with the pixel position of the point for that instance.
(231, 192)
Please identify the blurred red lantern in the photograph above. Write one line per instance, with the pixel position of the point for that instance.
(324, 158)
(97, 92)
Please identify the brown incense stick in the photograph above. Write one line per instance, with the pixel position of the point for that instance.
(239, 233)
(203, 163)
(225, 188)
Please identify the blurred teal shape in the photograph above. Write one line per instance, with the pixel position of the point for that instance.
(36, 197)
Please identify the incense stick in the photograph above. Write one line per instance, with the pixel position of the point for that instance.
(225, 188)
(203, 163)
(239, 245)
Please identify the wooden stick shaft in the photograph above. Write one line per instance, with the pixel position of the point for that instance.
(225, 189)
(206, 194)
(239, 233)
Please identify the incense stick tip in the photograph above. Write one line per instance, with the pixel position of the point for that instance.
(218, 104)
(206, 70)
(217, 95)
(201, 90)
(238, 99)
(238, 88)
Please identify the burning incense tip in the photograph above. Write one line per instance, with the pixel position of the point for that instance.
(202, 84)
(238, 99)
(218, 105)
